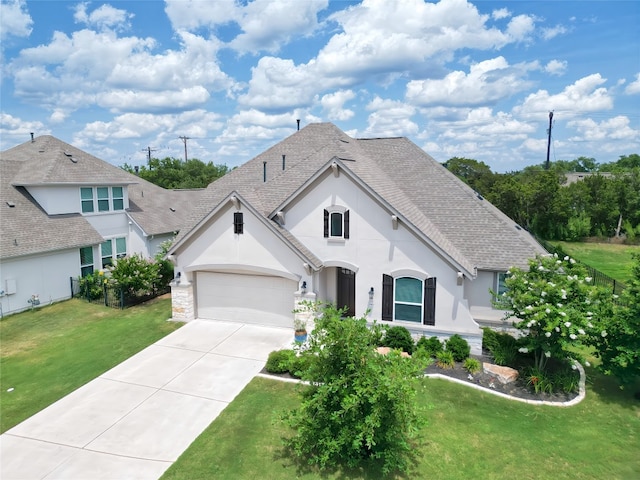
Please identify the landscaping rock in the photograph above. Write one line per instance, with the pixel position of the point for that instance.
(385, 350)
(503, 374)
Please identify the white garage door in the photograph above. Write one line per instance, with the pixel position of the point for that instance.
(260, 299)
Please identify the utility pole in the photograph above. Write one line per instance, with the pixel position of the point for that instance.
(148, 150)
(549, 141)
(184, 139)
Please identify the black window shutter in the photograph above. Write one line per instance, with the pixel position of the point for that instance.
(430, 301)
(326, 224)
(346, 224)
(387, 297)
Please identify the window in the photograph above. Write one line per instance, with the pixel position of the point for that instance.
(118, 198)
(336, 222)
(86, 261)
(238, 223)
(86, 198)
(115, 247)
(499, 286)
(409, 299)
(107, 199)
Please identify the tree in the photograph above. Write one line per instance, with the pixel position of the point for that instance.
(554, 302)
(361, 404)
(477, 175)
(174, 173)
(615, 335)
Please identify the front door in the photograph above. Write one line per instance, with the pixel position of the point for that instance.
(347, 291)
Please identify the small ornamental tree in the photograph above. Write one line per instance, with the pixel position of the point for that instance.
(360, 405)
(554, 304)
(135, 274)
(616, 334)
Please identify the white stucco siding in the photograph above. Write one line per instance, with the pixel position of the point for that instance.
(257, 299)
(62, 199)
(477, 292)
(375, 248)
(110, 225)
(45, 275)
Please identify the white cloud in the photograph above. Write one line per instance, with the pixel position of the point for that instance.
(556, 67)
(551, 32)
(103, 17)
(616, 128)
(486, 83)
(333, 104)
(138, 101)
(390, 118)
(521, 28)
(14, 130)
(500, 13)
(585, 95)
(268, 24)
(193, 14)
(634, 87)
(15, 19)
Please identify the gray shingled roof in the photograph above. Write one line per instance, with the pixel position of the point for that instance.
(26, 229)
(471, 231)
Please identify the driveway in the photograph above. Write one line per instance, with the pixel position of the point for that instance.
(136, 419)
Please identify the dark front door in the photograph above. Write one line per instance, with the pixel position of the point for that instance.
(347, 291)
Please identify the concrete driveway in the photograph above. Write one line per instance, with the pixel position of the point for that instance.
(136, 419)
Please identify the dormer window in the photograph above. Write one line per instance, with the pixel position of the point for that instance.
(106, 199)
(336, 222)
(238, 223)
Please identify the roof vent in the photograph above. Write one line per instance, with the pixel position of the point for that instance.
(283, 160)
(172, 209)
(480, 197)
(264, 170)
(70, 155)
(11, 204)
(32, 140)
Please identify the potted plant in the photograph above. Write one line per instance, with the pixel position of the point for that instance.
(300, 330)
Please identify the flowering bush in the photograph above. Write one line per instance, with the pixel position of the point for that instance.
(554, 304)
(135, 274)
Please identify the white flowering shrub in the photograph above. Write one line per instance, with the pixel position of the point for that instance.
(553, 304)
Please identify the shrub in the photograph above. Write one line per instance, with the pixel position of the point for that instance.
(444, 359)
(472, 365)
(279, 361)
(502, 346)
(431, 345)
(458, 347)
(538, 380)
(300, 364)
(567, 380)
(398, 337)
(360, 406)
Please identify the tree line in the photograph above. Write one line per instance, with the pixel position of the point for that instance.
(605, 202)
(173, 173)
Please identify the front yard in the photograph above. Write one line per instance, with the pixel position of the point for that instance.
(51, 351)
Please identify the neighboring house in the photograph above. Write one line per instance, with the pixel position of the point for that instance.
(65, 213)
(573, 177)
(374, 225)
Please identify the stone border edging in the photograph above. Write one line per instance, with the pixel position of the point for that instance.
(569, 403)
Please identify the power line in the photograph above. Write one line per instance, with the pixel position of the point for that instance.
(148, 150)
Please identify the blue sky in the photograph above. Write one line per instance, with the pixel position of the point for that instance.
(465, 79)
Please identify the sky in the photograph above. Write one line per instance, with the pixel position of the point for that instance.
(460, 79)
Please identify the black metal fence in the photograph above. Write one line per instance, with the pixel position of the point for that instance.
(615, 286)
(112, 296)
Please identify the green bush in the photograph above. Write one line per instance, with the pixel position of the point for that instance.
(400, 338)
(299, 365)
(472, 365)
(502, 346)
(279, 361)
(458, 347)
(445, 359)
(431, 345)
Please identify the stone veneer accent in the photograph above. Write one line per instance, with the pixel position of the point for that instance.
(182, 309)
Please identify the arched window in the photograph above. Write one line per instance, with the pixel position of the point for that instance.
(336, 222)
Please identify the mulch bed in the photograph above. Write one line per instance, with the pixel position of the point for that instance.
(518, 388)
(515, 389)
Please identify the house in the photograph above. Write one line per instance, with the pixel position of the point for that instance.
(65, 213)
(375, 225)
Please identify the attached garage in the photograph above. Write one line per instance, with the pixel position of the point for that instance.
(258, 299)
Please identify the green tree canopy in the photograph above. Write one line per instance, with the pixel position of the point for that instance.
(174, 173)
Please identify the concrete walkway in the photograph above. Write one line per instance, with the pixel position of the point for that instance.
(136, 419)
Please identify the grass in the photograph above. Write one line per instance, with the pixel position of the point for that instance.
(470, 434)
(611, 259)
(51, 351)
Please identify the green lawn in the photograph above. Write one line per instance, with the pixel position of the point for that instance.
(51, 351)
(470, 434)
(611, 259)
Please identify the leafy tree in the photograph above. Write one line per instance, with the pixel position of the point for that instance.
(615, 335)
(623, 164)
(476, 174)
(360, 405)
(553, 302)
(174, 173)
